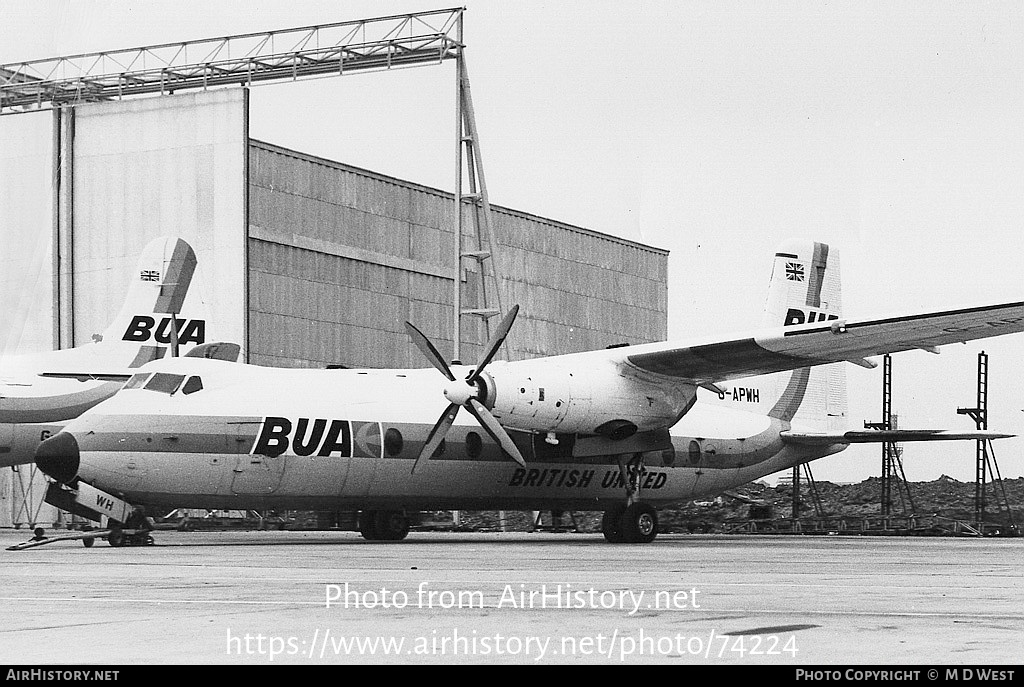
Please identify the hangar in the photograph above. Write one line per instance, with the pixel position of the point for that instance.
(305, 261)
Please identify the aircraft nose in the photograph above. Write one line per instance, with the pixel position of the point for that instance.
(58, 457)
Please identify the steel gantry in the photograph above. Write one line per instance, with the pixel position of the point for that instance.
(379, 43)
(483, 249)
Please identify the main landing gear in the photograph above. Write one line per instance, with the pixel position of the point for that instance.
(634, 522)
(383, 525)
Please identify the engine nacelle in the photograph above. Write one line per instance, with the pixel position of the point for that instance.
(542, 396)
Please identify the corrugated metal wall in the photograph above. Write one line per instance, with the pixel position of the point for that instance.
(340, 257)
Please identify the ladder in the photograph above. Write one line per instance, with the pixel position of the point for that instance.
(476, 258)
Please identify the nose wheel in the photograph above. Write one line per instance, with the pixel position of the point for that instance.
(119, 537)
(135, 532)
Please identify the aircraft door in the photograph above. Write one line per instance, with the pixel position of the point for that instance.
(252, 473)
(240, 435)
(700, 452)
(255, 474)
(367, 454)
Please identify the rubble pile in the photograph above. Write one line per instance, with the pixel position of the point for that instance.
(944, 497)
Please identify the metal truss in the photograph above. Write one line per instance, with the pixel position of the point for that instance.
(892, 453)
(379, 43)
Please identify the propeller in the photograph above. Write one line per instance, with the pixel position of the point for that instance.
(466, 393)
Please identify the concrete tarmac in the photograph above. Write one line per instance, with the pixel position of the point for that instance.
(438, 597)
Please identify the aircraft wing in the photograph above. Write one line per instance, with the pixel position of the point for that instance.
(820, 343)
(877, 436)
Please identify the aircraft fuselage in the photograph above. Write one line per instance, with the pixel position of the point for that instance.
(33, 408)
(335, 445)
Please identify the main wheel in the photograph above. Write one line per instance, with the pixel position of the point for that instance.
(116, 538)
(639, 523)
(368, 525)
(611, 524)
(391, 525)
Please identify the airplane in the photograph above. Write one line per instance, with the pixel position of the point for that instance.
(41, 392)
(624, 430)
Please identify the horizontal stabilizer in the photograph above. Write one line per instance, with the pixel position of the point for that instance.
(89, 376)
(217, 350)
(877, 436)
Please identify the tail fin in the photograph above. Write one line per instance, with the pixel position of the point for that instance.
(805, 287)
(158, 294)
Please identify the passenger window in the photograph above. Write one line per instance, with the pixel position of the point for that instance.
(136, 381)
(165, 383)
(694, 453)
(392, 442)
(193, 385)
(474, 445)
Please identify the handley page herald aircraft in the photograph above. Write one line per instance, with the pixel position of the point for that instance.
(40, 392)
(586, 431)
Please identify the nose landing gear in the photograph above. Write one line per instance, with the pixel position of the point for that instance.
(135, 532)
(119, 537)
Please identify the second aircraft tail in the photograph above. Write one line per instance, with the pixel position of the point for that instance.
(156, 299)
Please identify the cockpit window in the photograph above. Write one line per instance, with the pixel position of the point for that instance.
(137, 381)
(165, 383)
(193, 385)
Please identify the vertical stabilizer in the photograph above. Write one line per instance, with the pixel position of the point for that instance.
(806, 287)
(158, 296)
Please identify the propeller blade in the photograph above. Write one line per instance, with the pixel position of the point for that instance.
(494, 428)
(428, 351)
(495, 343)
(437, 434)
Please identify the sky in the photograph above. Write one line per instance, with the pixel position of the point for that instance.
(715, 130)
